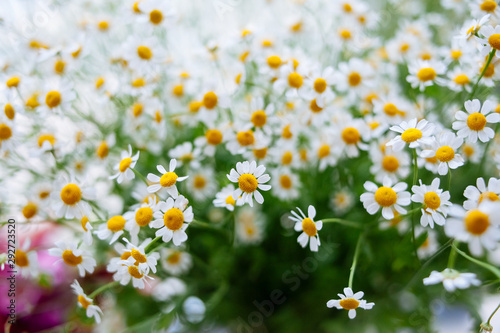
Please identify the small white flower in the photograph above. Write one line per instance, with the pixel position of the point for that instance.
(476, 195)
(87, 303)
(125, 166)
(350, 302)
(435, 202)
(172, 218)
(175, 262)
(114, 228)
(387, 197)
(139, 217)
(167, 180)
(444, 150)
(308, 226)
(73, 256)
(452, 279)
(26, 259)
(128, 270)
(490, 40)
(68, 199)
(224, 198)
(472, 125)
(412, 133)
(250, 179)
(425, 73)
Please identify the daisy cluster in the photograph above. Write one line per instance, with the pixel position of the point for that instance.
(127, 124)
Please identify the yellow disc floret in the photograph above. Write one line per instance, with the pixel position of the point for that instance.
(71, 194)
(309, 227)
(386, 196)
(247, 183)
(173, 219)
(476, 222)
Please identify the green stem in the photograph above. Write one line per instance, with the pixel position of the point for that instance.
(415, 167)
(355, 260)
(449, 179)
(490, 57)
(140, 176)
(151, 246)
(453, 255)
(491, 316)
(96, 210)
(343, 222)
(103, 288)
(489, 267)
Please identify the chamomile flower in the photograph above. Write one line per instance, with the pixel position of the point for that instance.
(308, 226)
(350, 302)
(186, 154)
(128, 270)
(460, 80)
(386, 197)
(452, 279)
(412, 133)
(87, 230)
(430, 244)
(68, 198)
(73, 256)
(142, 260)
(125, 166)
(58, 96)
(478, 194)
(213, 137)
(490, 41)
(388, 163)
(444, 149)
(175, 262)
(249, 226)
(155, 12)
(478, 227)
(86, 302)
(434, 201)
(425, 73)
(172, 219)
(250, 179)
(342, 200)
(113, 228)
(167, 180)
(26, 259)
(354, 76)
(285, 184)
(321, 82)
(201, 183)
(472, 125)
(224, 198)
(139, 218)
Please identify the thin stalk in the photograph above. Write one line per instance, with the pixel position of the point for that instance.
(140, 176)
(342, 222)
(151, 246)
(355, 260)
(103, 288)
(490, 57)
(453, 255)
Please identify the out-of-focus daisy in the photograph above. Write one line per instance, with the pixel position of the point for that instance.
(308, 226)
(471, 152)
(128, 270)
(172, 219)
(224, 198)
(250, 179)
(354, 76)
(186, 154)
(155, 12)
(114, 228)
(139, 217)
(350, 302)
(58, 97)
(68, 199)
(126, 164)
(285, 184)
(429, 246)
(86, 302)
(452, 279)
(73, 256)
(460, 79)
(87, 230)
(478, 227)
(167, 180)
(412, 133)
(434, 201)
(143, 260)
(477, 194)
(425, 73)
(445, 150)
(386, 197)
(321, 83)
(389, 163)
(175, 262)
(342, 200)
(201, 183)
(490, 40)
(26, 259)
(249, 226)
(472, 125)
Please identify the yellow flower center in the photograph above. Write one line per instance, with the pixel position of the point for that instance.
(347, 8)
(9, 111)
(70, 259)
(476, 222)
(432, 200)
(137, 83)
(138, 256)
(295, 80)
(411, 135)
(247, 183)
(476, 121)
(155, 16)
(349, 304)
(199, 182)
(134, 272)
(245, 138)
(13, 82)
(125, 255)
(274, 61)
(287, 158)
(445, 154)
(174, 258)
(345, 34)
(84, 221)
(178, 90)
(99, 82)
(71, 194)
(354, 79)
(135, 7)
(320, 85)
(43, 194)
(168, 179)
(303, 154)
(259, 118)
(285, 181)
(260, 153)
(404, 47)
(102, 150)
(83, 301)
(5, 132)
(194, 106)
(21, 258)
(103, 25)
(426, 74)
(30, 210)
(214, 136)
(230, 200)
(489, 196)
(390, 109)
(488, 6)
(456, 54)
(53, 99)
(46, 137)
(210, 100)
(144, 52)
(385, 196)
(173, 219)
(468, 150)
(286, 133)
(77, 52)
(143, 216)
(32, 102)
(461, 79)
(158, 117)
(137, 109)
(314, 106)
(125, 164)
(244, 56)
(116, 223)
(309, 227)
(59, 66)
(390, 163)
(350, 135)
(324, 151)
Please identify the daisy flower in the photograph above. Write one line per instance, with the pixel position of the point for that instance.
(185, 153)
(114, 228)
(58, 97)
(434, 201)
(172, 218)
(429, 246)
(308, 227)
(175, 262)
(478, 227)
(86, 303)
(224, 198)
(352, 133)
(125, 166)
(472, 125)
(249, 226)
(321, 82)
(142, 260)
(490, 40)
(128, 270)
(342, 200)
(444, 150)
(87, 230)
(68, 198)
(285, 184)
(452, 279)
(214, 136)
(386, 197)
(167, 180)
(476, 194)
(425, 73)
(388, 163)
(27, 260)
(354, 76)
(73, 256)
(350, 302)
(201, 184)
(460, 79)
(250, 179)
(139, 217)
(412, 133)
(472, 27)
(155, 12)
